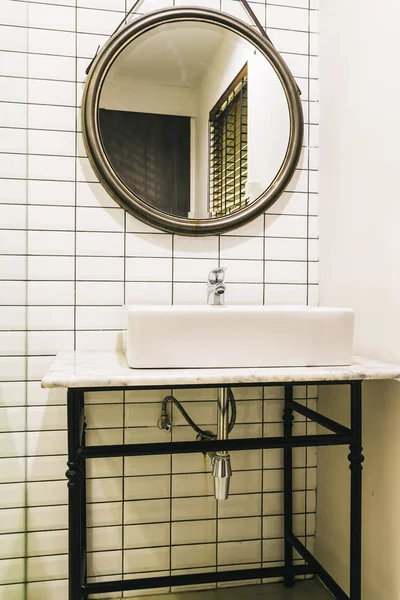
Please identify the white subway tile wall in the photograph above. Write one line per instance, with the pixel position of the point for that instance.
(69, 258)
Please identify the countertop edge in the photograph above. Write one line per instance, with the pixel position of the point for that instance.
(68, 371)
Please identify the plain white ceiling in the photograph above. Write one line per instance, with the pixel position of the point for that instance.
(175, 54)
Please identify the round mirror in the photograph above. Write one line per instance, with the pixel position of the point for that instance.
(192, 121)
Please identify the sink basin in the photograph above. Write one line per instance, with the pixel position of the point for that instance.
(238, 336)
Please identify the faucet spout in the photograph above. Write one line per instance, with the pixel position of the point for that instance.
(216, 286)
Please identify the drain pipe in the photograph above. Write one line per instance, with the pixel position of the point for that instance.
(221, 461)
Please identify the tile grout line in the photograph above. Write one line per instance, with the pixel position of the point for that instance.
(25, 574)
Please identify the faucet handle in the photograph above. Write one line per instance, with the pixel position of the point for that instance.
(217, 275)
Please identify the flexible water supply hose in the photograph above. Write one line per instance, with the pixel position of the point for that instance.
(207, 435)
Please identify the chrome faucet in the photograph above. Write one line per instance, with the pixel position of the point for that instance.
(216, 286)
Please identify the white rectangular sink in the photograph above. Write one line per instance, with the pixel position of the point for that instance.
(238, 336)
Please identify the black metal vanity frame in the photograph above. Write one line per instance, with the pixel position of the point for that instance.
(78, 452)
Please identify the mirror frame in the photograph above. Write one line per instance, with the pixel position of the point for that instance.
(101, 165)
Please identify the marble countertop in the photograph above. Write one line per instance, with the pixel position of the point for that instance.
(109, 369)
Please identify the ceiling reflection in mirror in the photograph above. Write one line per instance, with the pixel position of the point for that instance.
(194, 120)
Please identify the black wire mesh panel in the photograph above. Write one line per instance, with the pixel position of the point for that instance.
(228, 152)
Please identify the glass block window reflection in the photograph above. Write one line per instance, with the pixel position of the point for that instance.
(228, 149)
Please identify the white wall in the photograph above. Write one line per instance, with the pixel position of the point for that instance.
(121, 93)
(359, 267)
(268, 124)
(70, 257)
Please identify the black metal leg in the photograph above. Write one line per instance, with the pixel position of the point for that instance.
(74, 476)
(288, 580)
(83, 493)
(356, 459)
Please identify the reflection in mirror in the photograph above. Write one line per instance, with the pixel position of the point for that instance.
(194, 120)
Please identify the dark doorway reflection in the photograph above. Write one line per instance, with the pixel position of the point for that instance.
(151, 155)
